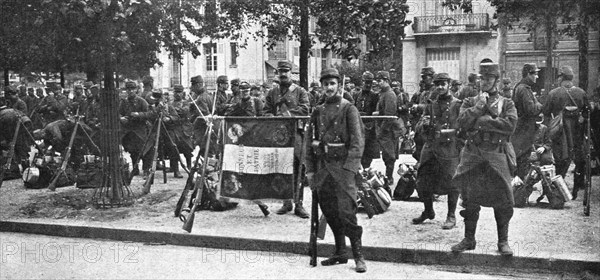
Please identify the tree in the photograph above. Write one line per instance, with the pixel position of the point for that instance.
(339, 24)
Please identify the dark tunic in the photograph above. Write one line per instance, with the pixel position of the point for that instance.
(249, 106)
(52, 108)
(204, 102)
(366, 103)
(171, 122)
(8, 123)
(528, 108)
(483, 174)
(79, 102)
(336, 121)
(388, 130)
(222, 103)
(440, 154)
(183, 128)
(135, 130)
(467, 91)
(19, 105)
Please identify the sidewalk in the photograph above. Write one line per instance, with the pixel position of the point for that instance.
(558, 240)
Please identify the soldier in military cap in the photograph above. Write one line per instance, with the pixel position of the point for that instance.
(134, 127)
(8, 122)
(183, 128)
(13, 100)
(223, 99)
(388, 131)
(455, 87)
(484, 172)
(201, 106)
(314, 95)
(336, 123)
(418, 102)
(425, 85)
(472, 87)
(506, 89)
(366, 103)
(79, 101)
(528, 108)
(573, 102)
(31, 100)
(148, 85)
(246, 104)
(289, 100)
(440, 154)
(235, 90)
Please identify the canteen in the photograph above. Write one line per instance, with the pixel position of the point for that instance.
(31, 175)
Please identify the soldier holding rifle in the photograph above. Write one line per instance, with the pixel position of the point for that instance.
(333, 160)
(366, 103)
(134, 128)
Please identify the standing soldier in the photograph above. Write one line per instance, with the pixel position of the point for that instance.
(471, 89)
(8, 122)
(455, 87)
(222, 101)
(78, 102)
(159, 108)
(528, 108)
(506, 89)
(440, 154)
(314, 95)
(235, 91)
(31, 100)
(366, 103)
(134, 128)
(332, 166)
(14, 101)
(483, 174)
(425, 87)
(148, 83)
(201, 106)
(183, 127)
(388, 131)
(573, 103)
(289, 100)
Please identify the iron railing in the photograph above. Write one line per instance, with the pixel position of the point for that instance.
(461, 23)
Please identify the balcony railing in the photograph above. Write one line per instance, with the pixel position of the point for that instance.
(462, 23)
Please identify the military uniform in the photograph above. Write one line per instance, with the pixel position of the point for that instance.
(171, 121)
(8, 124)
(528, 108)
(337, 122)
(183, 128)
(134, 129)
(53, 107)
(569, 145)
(388, 131)
(471, 89)
(419, 102)
(366, 103)
(58, 134)
(484, 174)
(440, 154)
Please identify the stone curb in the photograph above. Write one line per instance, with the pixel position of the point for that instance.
(383, 254)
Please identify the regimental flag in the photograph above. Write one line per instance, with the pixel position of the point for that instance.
(258, 158)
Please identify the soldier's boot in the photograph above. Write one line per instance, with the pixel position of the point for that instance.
(286, 207)
(175, 167)
(340, 256)
(389, 173)
(265, 209)
(359, 259)
(429, 213)
(468, 243)
(135, 171)
(300, 211)
(503, 216)
(451, 217)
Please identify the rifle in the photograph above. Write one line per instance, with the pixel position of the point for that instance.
(188, 222)
(189, 184)
(588, 167)
(314, 216)
(150, 179)
(11, 152)
(63, 166)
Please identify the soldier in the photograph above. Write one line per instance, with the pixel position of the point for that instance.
(455, 87)
(336, 124)
(388, 131)
(235, 91)
(183, 128)
(425, 86)
(14, 101)
(506, 89)
(52, 107)
(314, 95)
(289, 100)
(31, 100)
(201, 106)
(440, 154)
(528, 108)
(472, 88)
(255, 91)
(483, 174)
(8, 122)
(159, 108)
(134, 128)
(574, 104)
(148, 85)
(58, 135)
(79, 101)
(222, 101)
(366, 103)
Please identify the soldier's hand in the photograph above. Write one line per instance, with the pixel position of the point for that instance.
(540, 150)
(310, 176)
(135, 115)
(166, 119)
(124, 120)
(481, 100)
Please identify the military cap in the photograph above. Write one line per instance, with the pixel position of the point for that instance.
(367, 76)
(486, 60)
(10, 90)
(530, 68)
(347, 80)
(382, 75)
(147, 80)
(222, 79)
(131, 84)
(314, 84)
(506, 81)
(472, 77)
(94, 86)
(235, 82)
(330, 73)
(78, 87)
(455, 83)
(427, 71)
(243, 85)
(197, 80)
(489, 69)
(567, 72)
(441, 77)
(178, 88)
(265, 85)
(284, 65)
(395, 84)
(88, 84)
(255, 87)
(156, 95)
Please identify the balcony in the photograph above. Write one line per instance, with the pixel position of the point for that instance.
(452, 24)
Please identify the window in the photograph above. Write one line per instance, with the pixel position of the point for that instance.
(234, 53)
(324, 56)
(210, 52)
(175, 73)
(446, 60)
(296, 51)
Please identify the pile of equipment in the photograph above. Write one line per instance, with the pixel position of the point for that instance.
(374, 194)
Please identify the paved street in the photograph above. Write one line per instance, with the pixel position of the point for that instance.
(24, 256)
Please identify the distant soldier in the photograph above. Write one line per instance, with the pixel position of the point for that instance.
(336, 124)
(14, 101)
(134, 128)
(483, 174)
(418, 102)
(53, 105)
(8, 123)
(528, 108)
(222, 101)
(573, 102)
(159, 108)
(148, 86)
(314, 94)
(183, 127)
(472, 88)
(506, 89)
(199, 108)
(31, 100)
(235, 91)
(440, 154)
(366, 103)
(388, 131)
(79, 101)
(455, 87)
(289, 100)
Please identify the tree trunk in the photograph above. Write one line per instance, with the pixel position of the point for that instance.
(305, 43)
(549, 73)
(62, 78)
(502, 32)
(582, 38)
